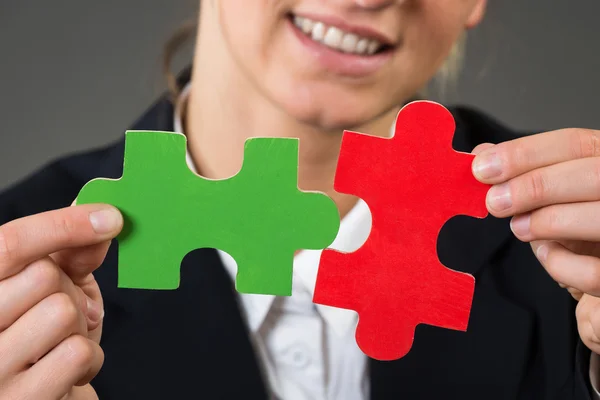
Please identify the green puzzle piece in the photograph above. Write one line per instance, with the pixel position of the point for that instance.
(258, 216)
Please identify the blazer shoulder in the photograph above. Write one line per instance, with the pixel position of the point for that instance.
(56, 184)
(480, 127)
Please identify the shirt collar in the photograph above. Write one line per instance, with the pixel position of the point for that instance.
(354, 231)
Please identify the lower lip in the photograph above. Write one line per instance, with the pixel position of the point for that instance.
(352, 65)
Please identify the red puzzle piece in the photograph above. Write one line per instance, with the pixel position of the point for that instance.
(413, 183)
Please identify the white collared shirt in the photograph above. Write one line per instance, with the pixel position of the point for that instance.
(308, 351)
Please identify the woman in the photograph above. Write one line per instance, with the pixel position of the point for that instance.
(308, 69)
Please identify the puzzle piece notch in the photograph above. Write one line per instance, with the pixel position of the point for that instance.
(258, 216)
(413, 183)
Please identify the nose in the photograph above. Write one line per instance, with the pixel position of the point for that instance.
(375, 4)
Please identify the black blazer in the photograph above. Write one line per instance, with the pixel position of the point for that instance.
(191, 343)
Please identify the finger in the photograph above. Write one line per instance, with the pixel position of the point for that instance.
(82, 392)
(481, 147)
(28, 239)
(588, 321)
(576, 294)
(582, 247)
(95, 307)
(75, 361)
(580, 272)
(38, 331)
(76, 262)
(577, 221)
(39, 280)
(79, 262)
(513, 158)
(568, 182)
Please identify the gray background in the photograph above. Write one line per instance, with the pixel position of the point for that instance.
(75, 73)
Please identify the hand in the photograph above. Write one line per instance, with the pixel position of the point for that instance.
(51, 308)
(550, 184)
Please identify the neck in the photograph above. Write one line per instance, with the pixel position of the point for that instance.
(224, 109)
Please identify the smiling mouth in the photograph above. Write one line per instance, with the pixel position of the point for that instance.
(338, 39)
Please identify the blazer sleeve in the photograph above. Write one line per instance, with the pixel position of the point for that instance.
(51, 187)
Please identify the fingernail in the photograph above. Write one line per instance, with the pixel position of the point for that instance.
(487, 165)
(95, 312)
(520, 224)
(105, 221)
(561, 285)
(542, 252)
(499, 197)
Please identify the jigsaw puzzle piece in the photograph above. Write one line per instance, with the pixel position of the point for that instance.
(154, 171)
(413, 184)
(258, 216)
(278, 218)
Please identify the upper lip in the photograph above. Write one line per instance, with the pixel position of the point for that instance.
(359, 30)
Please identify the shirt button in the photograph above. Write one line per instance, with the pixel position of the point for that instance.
(299, 357)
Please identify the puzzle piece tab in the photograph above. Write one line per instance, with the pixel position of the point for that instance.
(258, 216)
(413, 183)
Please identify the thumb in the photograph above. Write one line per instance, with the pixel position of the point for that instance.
(79, 262)
(481, 147)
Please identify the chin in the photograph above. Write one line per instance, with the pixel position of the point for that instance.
(329, 118)
(331, 109)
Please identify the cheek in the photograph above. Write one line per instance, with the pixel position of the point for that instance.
(251, 31)
(242, 25)
(437, 27)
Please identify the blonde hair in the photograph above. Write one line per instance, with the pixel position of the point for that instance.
(443, 82)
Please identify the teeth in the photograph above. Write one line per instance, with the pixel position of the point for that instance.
(318, 32)
(373, 46)
(298, 21)
(361, 46)
(335, 38)
(307, 25)
(349, 43)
